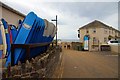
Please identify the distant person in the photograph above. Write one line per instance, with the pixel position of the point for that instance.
(68, 46)
(65, 46)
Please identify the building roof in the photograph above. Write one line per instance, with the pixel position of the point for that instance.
(11, 9)
(97, 23)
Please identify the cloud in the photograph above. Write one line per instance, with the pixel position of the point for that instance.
(71, 15)
(68, 0)
(112, 20)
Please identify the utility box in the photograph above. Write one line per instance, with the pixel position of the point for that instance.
(77, 46)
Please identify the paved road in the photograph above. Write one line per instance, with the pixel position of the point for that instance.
(78, 64)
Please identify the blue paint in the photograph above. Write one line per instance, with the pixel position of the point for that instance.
(32, 40)
(22, 36)
(26, 35)
(1, 43)
(86, 38)
(29, 20)
(38, 37)
(7, 36)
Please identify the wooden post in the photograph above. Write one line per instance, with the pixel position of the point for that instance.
(27, 53)
(12, 54)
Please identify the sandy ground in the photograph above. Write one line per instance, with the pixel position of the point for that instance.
(84, 64)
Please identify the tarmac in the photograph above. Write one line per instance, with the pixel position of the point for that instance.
(85, 64)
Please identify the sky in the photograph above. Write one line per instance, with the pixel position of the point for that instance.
(72, 14)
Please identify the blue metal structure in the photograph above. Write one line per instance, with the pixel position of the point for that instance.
(31, 31)
(1, 43)
(7, 36)
(14, 32)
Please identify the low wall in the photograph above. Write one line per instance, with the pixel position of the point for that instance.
(74, 44)
(115, 48)
(42, 66)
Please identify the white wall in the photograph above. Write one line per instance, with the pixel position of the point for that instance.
(9, 16)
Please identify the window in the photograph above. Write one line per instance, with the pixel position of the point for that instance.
(112, 31)
(78, 31)
(114, 41)
(116, 33)
(105, 40)
(109, 38)
(105, 31)
(94, 40)
(93, 46)
(109, 31)
(78, 35)
(87, 31)
(94, 30)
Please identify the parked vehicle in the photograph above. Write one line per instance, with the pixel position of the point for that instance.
(114, 42)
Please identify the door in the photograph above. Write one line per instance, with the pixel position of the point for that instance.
(86, 39)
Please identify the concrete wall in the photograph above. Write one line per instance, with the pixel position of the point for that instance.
(115, 48)
(99, 36)
(10, 16)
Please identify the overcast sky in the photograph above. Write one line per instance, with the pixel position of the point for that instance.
(72, 14)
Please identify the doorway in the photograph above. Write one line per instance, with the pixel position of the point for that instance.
(86, 42)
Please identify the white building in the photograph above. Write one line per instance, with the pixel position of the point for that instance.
(10, 15)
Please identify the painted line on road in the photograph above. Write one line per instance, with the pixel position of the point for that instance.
(111, 55)
(61, 66)
(61, 70)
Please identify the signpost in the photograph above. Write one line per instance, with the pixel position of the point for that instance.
(56, 27)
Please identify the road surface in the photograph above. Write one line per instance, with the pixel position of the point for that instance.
(84, 64)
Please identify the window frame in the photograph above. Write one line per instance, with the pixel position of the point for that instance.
(94, 30)
(105, 39)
